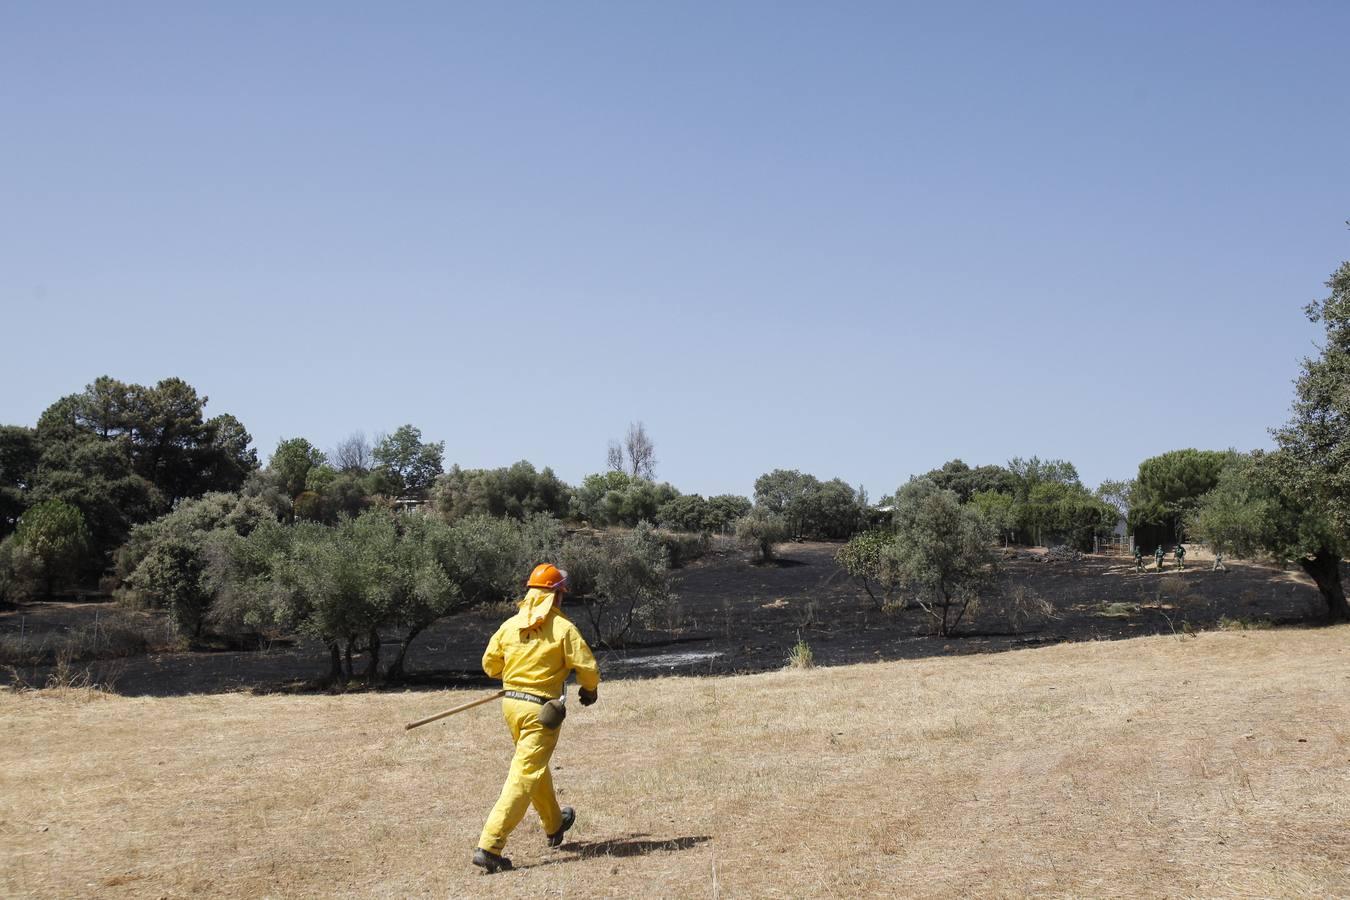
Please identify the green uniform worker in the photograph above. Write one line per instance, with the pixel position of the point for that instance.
(1138, 559)
(1180, 553)
(1158, 556)
(532, 653)
(1218, 563)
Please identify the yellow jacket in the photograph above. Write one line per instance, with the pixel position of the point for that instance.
(537, 659)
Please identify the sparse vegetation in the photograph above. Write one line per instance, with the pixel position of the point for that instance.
(113, 635)
(801, 656)
(760, 531)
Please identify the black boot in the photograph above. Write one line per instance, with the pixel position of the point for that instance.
(490, 862)
(569, 817)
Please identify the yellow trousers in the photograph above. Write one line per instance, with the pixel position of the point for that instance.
(528, 782)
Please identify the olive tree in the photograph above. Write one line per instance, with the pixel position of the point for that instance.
(1257, 510)
(870, 559)
(760, 530)
(618, 581)
(1294, 504)
(944, 548)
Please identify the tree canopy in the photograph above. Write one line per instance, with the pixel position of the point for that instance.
(1170, 485)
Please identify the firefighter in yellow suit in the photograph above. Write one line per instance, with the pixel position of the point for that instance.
(532, 653)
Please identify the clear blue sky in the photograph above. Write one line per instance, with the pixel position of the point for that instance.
(854, 239)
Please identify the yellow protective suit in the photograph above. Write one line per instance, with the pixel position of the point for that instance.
(533, 651)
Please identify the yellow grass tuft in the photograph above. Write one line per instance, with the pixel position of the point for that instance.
(1215, 767)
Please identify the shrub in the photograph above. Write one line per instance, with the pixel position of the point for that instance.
(944, 547)
(515, 492)
(723, 511)
(871, 560)
(684, 548)
(801, 655)
(685, 513)
(1023, 606)
(621, 580)
(165, 562)
(51, 542)
(759, 530)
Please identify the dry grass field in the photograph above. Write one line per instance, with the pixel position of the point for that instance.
(1215, 765)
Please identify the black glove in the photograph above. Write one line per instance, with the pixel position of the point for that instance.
(587, 697)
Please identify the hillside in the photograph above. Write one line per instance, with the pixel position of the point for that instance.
(1208, 765)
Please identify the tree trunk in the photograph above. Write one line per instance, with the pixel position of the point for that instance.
(347, 667)
(395, 672)
(1325, 569)
(374, 668)
(335, 664)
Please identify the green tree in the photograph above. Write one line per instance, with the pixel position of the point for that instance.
(1033, 471)
(965, 482)
(411, 465)
(1295, 504)
(170, 442)
(1317, 437)
(723, 510)
(291, 462)
(421, 589)
(1169, 486)
(19, 456)
(51, 542)
(516, 491)
(620, 581)
(1261, 508)
(761, 530)
(615, 498)
(165, 563)
(999, 510)
(1118, 494)
(836, 510)
(790, 494)
(945, 548)
(688, 512)
(870, 559)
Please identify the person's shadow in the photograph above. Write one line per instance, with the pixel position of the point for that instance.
(633, 845)
(628, 845)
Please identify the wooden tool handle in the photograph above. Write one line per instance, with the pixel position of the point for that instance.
(450, 712)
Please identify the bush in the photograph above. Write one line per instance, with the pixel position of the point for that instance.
(1022, 606)
(621, 580)
(51, 543)
(165, 562)
(870, 558)
(685, 513)
(615, 498)
(759, 530)
(684, 548)
(515, 492)
(801, 656)
(723, 511)
(945, 548)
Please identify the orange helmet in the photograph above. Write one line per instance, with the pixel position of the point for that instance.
(549, 577)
